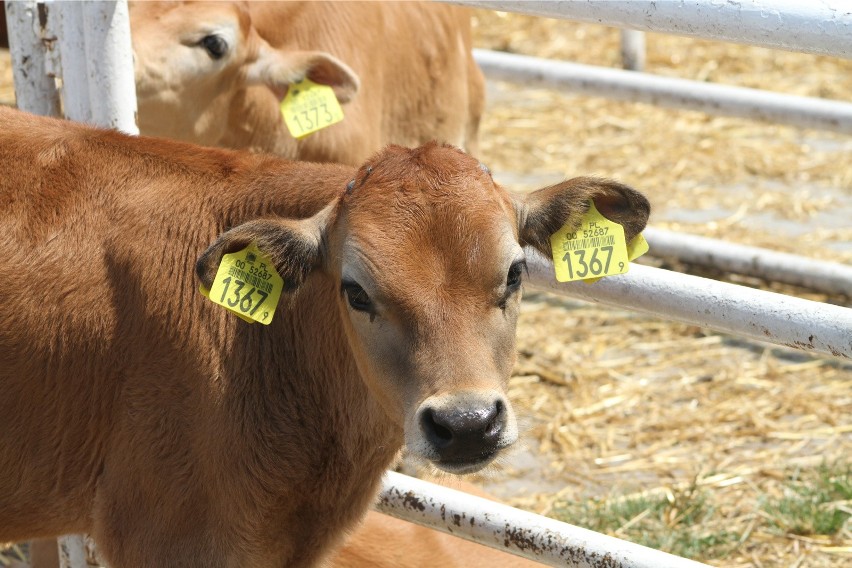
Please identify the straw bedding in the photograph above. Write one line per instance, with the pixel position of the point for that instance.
(620, 403)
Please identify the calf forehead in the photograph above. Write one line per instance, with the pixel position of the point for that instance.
(183, 17)
(421, 186)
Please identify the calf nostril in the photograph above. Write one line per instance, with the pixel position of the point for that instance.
(495, 422)
(439, 434)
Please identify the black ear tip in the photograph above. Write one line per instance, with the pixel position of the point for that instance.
(202, 268)
(612, 204)
(621, 200)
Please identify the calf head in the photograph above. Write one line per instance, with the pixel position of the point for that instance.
(194, 61)
(427, 252)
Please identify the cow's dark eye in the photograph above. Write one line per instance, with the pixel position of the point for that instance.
(513, 282)
(513, 279)
(215, 45)
(357, 296)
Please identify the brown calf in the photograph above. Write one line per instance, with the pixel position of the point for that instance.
(176, 434)
(214, 73)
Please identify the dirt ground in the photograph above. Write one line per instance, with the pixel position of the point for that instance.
(618, 403)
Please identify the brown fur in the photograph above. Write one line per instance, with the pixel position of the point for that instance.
(176, 434)
(418, 80)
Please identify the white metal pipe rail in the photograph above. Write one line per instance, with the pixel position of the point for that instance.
(756, 314)
(828, 277)
(810, 26)
(97, 63)
(95, 60)
(633, 50)
(505, 528)
(73, 551)
(806, 112)
(29, 44)
(71, 36)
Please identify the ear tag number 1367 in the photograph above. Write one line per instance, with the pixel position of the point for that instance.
(247, 285)
(309, 107)
(594, 250)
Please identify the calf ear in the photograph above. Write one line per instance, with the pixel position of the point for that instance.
(279, 69)
(543, 212)
(295, 247)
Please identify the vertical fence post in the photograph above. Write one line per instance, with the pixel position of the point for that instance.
(633, 50)
(109, 63)
(72, 552)
(98, 84)
(29, 44)
(72, 49)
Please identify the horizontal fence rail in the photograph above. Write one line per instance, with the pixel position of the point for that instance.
(805, 112)
(828, 277)
(505, 528)
(810, 26)
(756, 314)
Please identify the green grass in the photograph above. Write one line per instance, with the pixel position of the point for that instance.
(686, 523)
(811, 502)
(678, 523)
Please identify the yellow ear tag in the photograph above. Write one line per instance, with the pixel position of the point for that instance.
(206, 293)
(247, 285)
(309, 107)
(635, 248)
(594, 250)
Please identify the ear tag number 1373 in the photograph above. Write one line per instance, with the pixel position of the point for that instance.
(594, 250)
(247, 285)
(309, 107)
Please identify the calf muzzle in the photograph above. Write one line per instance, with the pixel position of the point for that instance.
(464, 437)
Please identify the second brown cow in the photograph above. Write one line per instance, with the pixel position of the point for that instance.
(214, 73)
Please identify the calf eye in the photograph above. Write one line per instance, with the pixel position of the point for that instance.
(215, 45)
(513, 282)
(513, 279)
(357, 296)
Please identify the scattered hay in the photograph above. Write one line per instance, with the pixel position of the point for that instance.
(720, 177)
(622, 404)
